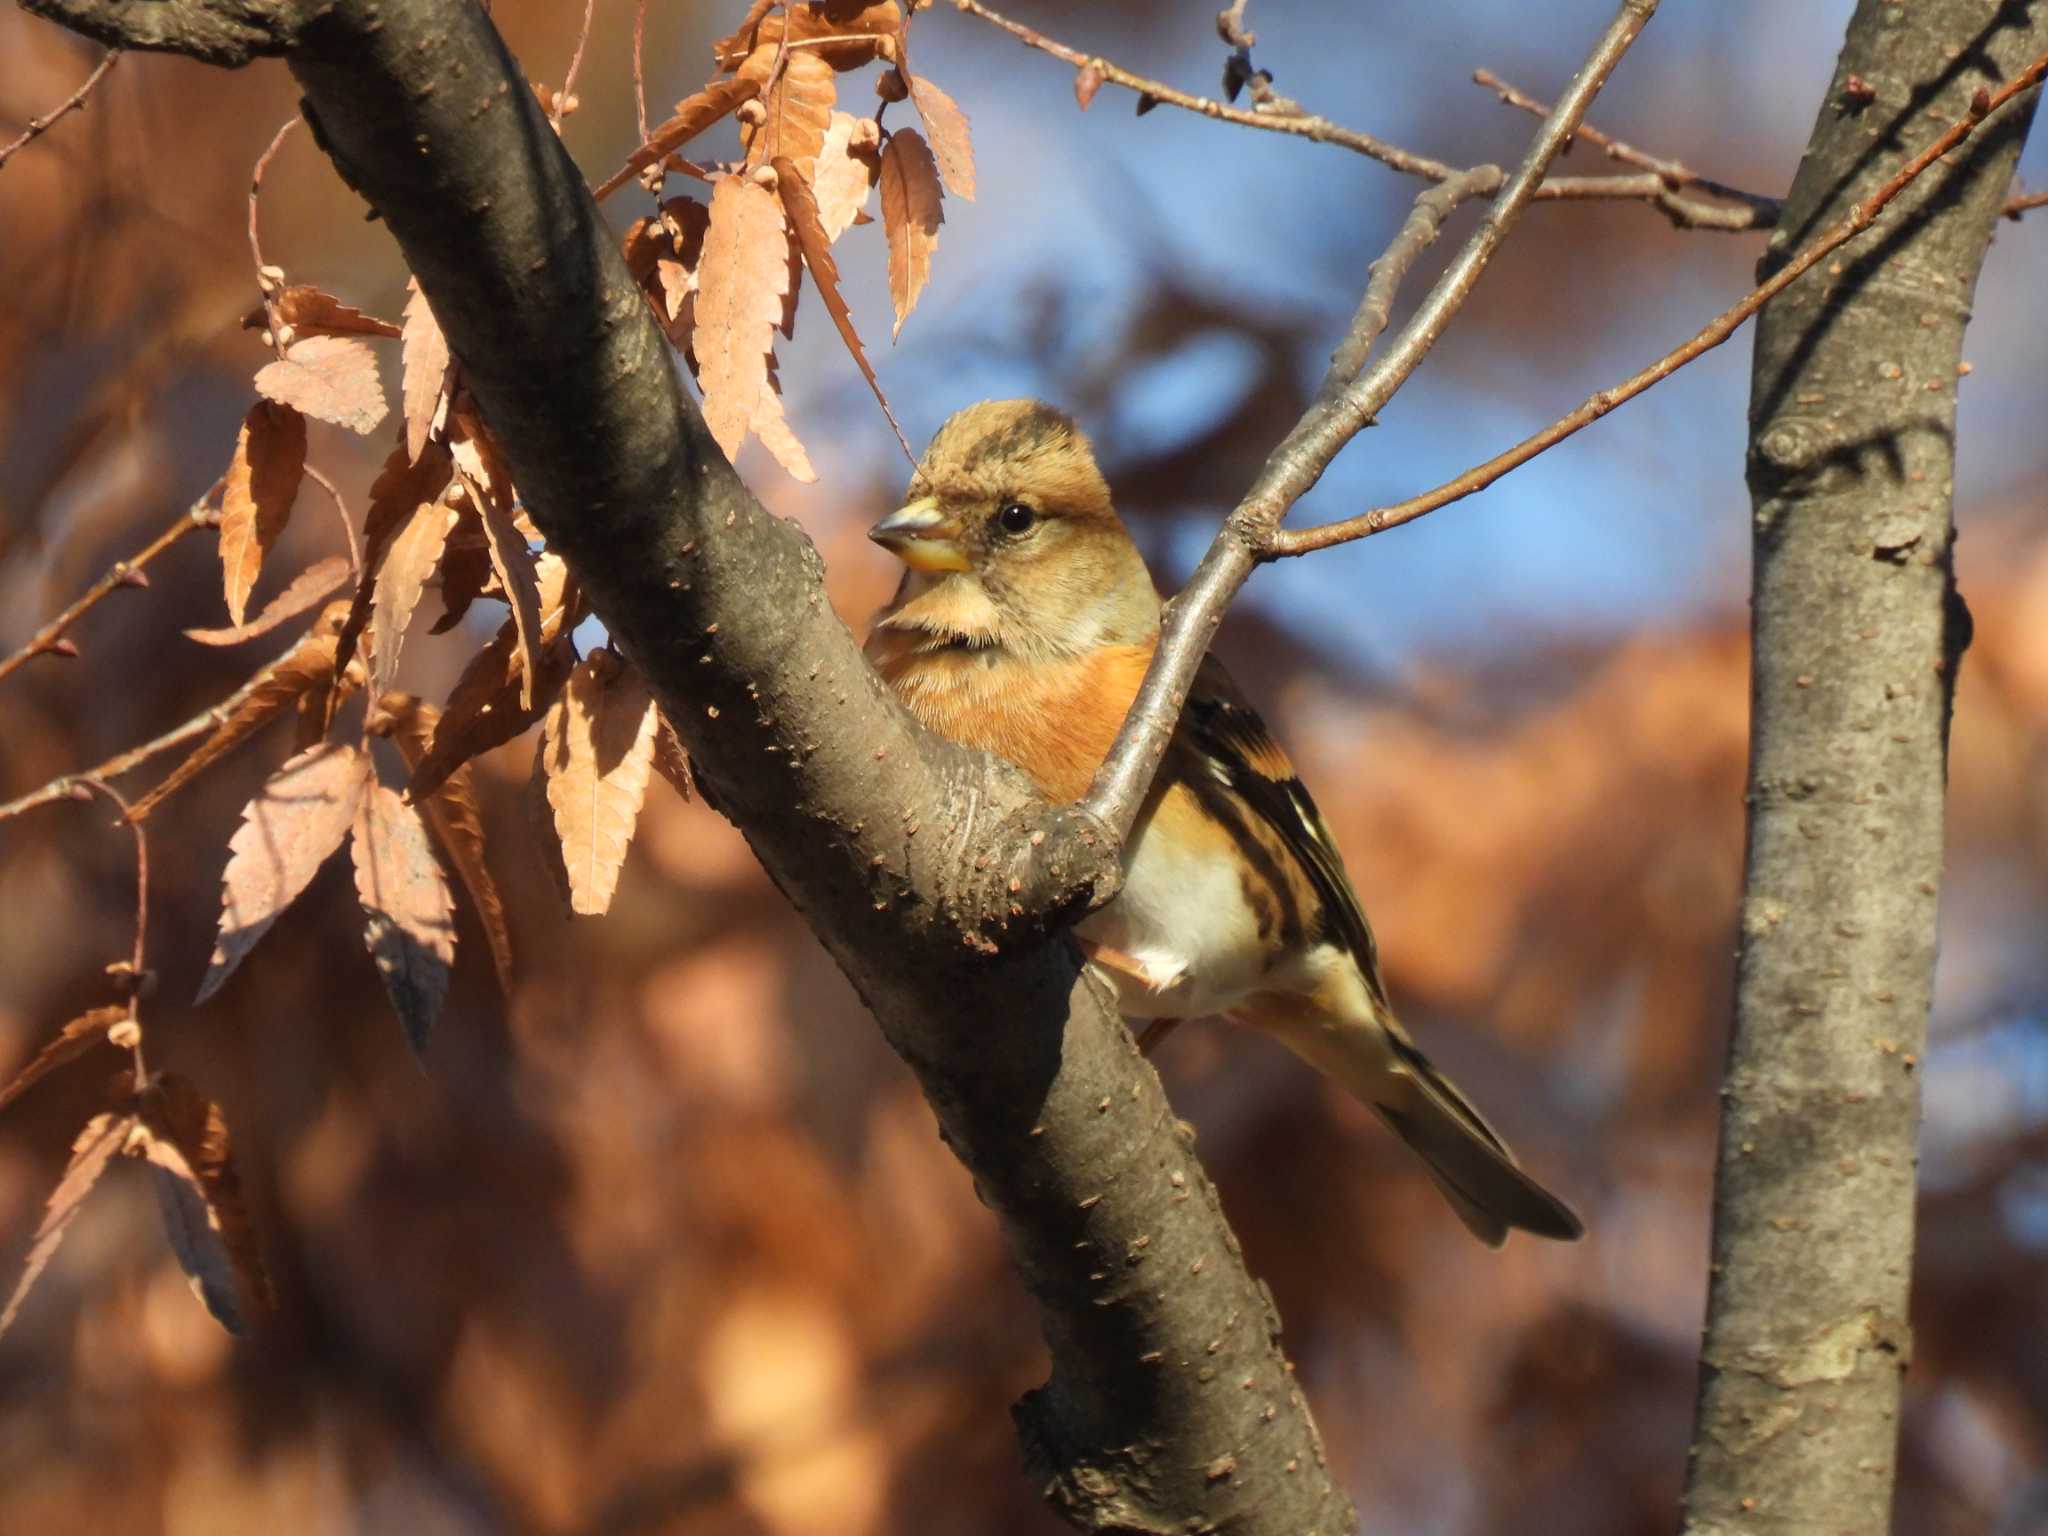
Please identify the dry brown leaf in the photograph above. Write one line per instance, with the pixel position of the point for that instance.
(73, 1040)
(408, 914)
(401, 488)
(952, 144)
(453, 816)
(478, 457)
(671, 759)
(331, 377)
(599, 752)
(540, 820)
(816, 245)
(262, 483)
(306, 670)
(484, 711)
(693, 115)
(911, 216)
(427, 366)
(740, 288)
(297, 819)
(512, 563)
(310, 312)
(191, 1161)
(414, 554)
(103, 1136)
(465, 568)
(772, 427)
(860, 31)
(796, 107)
(846, 173)
(311, 586)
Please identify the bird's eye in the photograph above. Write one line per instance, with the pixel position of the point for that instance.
(1015, 517)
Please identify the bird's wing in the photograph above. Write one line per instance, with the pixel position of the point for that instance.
(1240, 752)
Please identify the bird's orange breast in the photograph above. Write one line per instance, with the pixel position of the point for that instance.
(1054, 719)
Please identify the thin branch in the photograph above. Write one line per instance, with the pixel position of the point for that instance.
(348, 527)
(639, 68)
(1306, 126)
(2023, 202)
(269, 281)
(134, 979)
(38, 126)
(561, 103)
(209, 719)
(50, 641)
(1861, 217)
(1762, 211)
(1343, 406)
(1282, 116)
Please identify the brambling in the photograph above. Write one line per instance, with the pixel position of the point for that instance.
(1023, 626)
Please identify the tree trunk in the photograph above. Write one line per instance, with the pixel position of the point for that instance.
(1857, 633)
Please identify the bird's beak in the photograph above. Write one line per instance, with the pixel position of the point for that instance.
(922, 537)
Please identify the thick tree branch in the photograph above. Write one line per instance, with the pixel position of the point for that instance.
(1170, 1406)
(1347, 401)
(225, 32)
(1857, 633)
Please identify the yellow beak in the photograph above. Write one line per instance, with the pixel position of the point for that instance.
(922, 537)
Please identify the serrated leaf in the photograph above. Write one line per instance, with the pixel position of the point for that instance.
(484, 711)
(844, 177)
(297, 819)
(77, 1037)
(413, 555)
(599, 752)
(740, 287)
(816, 245)
(307, 668)
(401, 488)
(307, 589)
(453, 816)
(262, 483)
(671, 759)
(859, 32)
(465, 568)
(331, 377)
(797, 105)
(951, 142)
(184, 1137)
(426, 366)
(545, 841)
(911, 217)
(513, 564)
(408, 914)
(693, 115)
(103, 1136)
(313, 313)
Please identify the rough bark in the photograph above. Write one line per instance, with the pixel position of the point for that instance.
(1857, 634)
(1170, 1407)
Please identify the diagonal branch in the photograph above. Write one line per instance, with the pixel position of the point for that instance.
(72, 103)
(1861, 216)
(1344, 405)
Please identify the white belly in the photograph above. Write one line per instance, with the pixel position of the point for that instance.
(1182, 923)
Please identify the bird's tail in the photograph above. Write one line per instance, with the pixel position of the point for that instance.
(1469, 1163)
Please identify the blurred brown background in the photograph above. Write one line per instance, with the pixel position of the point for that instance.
(666, 1242)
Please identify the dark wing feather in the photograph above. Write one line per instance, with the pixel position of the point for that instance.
(1243, 755)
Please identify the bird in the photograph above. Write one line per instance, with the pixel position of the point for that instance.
(1023, 625)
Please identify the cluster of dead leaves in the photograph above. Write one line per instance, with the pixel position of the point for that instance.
(723, 273)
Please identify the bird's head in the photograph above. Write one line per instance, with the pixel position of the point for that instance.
(1012, 542)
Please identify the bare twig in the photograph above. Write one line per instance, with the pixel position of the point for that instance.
(1231, 28)
(348, 527)
(67, 786)
(1756, 211)
(135, 978)
(50, 641)
(1277, 115)
(639, 68)
(560, 107)
(2023, 202)
(1306, 125)
(267, 282)
(1861, 217)
(1343, 406)
(72, 103)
